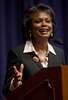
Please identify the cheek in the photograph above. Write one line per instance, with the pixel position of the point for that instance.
(33, 30)
(51, 28)
(35, 27)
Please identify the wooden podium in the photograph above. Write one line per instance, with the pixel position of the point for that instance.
(47, 84)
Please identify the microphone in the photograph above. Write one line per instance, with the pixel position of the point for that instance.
(58, 41)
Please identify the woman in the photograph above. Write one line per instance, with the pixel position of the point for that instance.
(39, 27)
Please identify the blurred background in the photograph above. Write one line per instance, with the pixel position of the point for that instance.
(11, 13)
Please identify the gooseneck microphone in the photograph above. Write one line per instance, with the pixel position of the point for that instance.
(58, 41)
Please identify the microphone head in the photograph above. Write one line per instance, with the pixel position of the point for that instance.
(58, 41)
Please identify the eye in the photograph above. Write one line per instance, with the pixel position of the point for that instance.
(37, 21)
(48, 21)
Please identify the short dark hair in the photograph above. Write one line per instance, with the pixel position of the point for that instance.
(28, 16)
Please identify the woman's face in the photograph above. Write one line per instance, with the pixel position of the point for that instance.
(41, 26)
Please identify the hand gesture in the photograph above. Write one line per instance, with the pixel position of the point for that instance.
(18, 75)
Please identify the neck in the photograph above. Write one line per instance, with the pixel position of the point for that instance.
(40, 45)
(42, 48)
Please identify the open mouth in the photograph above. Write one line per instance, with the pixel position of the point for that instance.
(43, 31)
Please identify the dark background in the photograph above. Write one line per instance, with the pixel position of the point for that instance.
(11, 12)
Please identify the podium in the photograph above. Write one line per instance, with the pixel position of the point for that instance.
(47, 84)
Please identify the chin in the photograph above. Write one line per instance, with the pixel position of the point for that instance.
(45, 36)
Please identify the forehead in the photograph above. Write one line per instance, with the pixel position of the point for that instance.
(41, 14)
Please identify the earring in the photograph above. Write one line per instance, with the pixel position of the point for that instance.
(51, 34)
(30, 33)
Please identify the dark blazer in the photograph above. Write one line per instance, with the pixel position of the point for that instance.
(16, 57)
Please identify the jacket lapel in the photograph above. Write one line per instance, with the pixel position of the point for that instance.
(51, 60)
(36, 60)
(39, 64)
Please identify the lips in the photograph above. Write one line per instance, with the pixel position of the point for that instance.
(43, 31)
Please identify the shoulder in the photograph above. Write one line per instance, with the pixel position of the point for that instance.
(18, 48)
(57, 49)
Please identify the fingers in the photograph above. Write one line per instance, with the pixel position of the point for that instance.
(21, 68)
(18, 78)
(15, 69)
(18, 74)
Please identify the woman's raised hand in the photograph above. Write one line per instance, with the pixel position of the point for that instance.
(18, 75)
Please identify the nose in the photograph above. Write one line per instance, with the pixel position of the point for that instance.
(44, 23)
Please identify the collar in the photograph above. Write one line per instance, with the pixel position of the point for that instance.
(30, 48)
